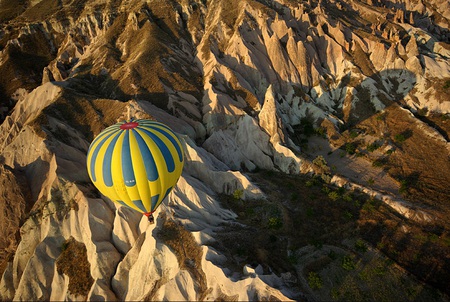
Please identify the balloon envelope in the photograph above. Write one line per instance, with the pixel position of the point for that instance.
(136, 163)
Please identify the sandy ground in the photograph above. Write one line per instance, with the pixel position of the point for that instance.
(357, 169)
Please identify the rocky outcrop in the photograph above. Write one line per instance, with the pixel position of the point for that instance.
(13, 206)
(120, 245)
(235, 79)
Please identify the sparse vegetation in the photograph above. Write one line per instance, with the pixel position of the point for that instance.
(400, 138)
(347, 197)
(314, 280)
(188, 252)
(238, 194)
(360, 246)
(348, 263)
(310, 219)
(422, 112)
(446, 84)
(403, 136)
(321, 162)
(308, 127)
(73, 262)
(403, 187)
(349, 232)
(378, 162)
(381, 116)
(350, 148)
(320, 131)
(275, 223)
(373, 146)
(333, 195)
(353, 134)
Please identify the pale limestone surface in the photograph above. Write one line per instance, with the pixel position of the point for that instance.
(292, 64)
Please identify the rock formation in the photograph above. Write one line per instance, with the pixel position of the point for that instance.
(236, 80)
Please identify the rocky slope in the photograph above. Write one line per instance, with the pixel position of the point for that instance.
(244, 84)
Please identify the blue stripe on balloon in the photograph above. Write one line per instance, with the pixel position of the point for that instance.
(95, 154)
(167, 192)
(154, 126)
(140, 205)
(172, 140)
(156, 198)
(154, 123)
(168, 158)
(147, 157)
(107, 160)
(107, 132)
(127, 164)
(122, 203)
(154, 201)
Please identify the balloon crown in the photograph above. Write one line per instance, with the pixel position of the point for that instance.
(129, 125)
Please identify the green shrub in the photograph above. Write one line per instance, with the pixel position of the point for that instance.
(275, 223)
(404, 185)
(373, 146)
(326, 189)
(377, 163)
(314, 281)
(341, 191)
(334, 294)
(400, 138)
(332, 254)
(348, 215)
(320, 162)
(447, 84)
(369, 205)
(353, 134)
(333, 195)
(326, 177)
(381, 245)
(310, 183)
(308, 127)
(422, 111)
(379, 270)
(347, 198)
(238, 194)
(350, 148)
(360, 246)
(381, 116)
(347, 263)
(320, 131)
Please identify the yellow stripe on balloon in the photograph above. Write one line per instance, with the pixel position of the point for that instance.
(159, 184)
(129, 162)
(119, 191)
(142, 185)
(132, 190)
(169, 179)
(99, 183)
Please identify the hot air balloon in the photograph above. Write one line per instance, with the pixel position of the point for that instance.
(136, 163)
